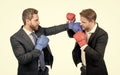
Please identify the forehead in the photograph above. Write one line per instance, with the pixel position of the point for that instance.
(83, 18)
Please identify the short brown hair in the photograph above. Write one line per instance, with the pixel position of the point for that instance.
(89, 14)
(28, 14)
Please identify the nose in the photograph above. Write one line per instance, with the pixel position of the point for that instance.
(81, 24)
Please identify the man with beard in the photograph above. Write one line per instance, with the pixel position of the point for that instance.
(33, 55)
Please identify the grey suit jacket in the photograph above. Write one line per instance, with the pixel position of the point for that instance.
(26, 53)
(94, 52)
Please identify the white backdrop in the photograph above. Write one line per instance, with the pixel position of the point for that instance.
(53, 12)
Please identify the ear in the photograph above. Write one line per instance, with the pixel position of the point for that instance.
(92, 21)
(27, 21)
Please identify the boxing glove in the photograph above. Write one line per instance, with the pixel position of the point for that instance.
(70, 25)
(77, 27)
(42, 42)
(70, 16)
(80, 38)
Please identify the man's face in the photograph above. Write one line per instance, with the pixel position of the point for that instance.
(85, 23)
(34, 22)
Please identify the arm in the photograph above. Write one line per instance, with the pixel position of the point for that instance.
(51, 30)
(55, 29)
(70, 33)
(96, 53)
(19, 51)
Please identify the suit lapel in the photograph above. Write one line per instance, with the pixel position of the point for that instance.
(93, 34)
(91, 37)
(26, 38)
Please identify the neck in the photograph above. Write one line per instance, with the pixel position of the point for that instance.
(28, 28)
(91, 26)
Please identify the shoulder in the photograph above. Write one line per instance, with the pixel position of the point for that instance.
(17, 34)
(101, 31)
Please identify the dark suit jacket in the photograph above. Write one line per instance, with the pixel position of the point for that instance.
(25, 52)
(94, 52)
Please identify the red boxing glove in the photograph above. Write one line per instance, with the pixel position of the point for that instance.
(80, 38)
(70, 16)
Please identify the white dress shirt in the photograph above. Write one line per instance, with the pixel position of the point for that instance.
(88, 34)
(29, 34)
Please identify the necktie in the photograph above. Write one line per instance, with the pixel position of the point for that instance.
(41, 57)
(34, 37)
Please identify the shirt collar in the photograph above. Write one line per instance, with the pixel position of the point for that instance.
(27, 31)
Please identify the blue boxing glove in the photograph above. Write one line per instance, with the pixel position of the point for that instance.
(70, 25)
(42, 42)
(77, 27)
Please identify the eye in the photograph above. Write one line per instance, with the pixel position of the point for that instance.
(36, 20)
(82, 22)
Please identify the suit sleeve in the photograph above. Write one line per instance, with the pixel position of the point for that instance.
(19, 51)
(70, 33)
(55, 29)
(96, 53)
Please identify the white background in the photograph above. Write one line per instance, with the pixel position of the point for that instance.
(53, 12)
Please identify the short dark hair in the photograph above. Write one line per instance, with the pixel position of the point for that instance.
(89, 14)
(28, 14)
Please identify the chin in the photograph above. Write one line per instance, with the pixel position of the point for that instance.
(83, 28)
(36, 28)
